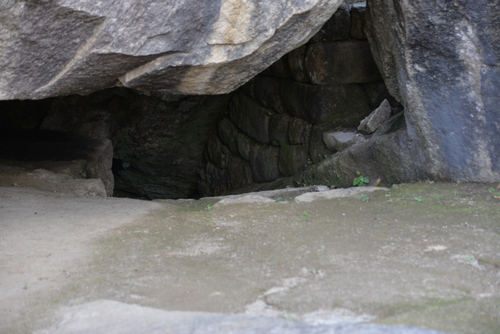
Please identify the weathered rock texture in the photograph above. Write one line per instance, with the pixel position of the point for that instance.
(158, 141)
(63, 47)
(441, 59)
(275, 124)
(106, 316)
(54, 162)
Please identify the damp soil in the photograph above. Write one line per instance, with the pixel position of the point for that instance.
(424, 254)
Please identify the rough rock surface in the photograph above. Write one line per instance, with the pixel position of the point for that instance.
(158, 141)
(49, 160)
(63, 47)
(441, 60)
(373, 121)
(43, 179)
(340, 140)
(106, 316)
(336, 193)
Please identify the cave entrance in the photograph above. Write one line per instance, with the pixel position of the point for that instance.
(300, 111)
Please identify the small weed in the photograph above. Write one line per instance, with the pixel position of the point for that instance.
(364, 198)
(305, 214)
(470, 259)
(437, 196)
(494, 192)
(314, 271)
(209, 207)
(283, 199)
(418, 199)
(309, 162)
(360, 180)
(390, 200)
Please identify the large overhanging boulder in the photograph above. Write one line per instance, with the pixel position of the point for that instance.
(62, 47)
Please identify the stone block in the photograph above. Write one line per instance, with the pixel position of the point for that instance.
(317, 148)
(330, 105)
(267, 90)
(279, 69)
(341, 63)
(297, 63)
(293, 159)
(251, 117)
(264, 163)
(376, 92)
(358, 22)
(340, 140)
(299, 131)
(278, 129)
(227, 133)
(217, 152)
(244, 144)
(378, 117)
(212, 180)
(239, 173)
(336, 28)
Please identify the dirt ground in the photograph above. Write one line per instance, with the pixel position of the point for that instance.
(424, 254)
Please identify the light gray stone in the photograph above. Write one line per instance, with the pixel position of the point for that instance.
(244, 199)
(109, 317)
(340, 140)
(337, 193)
(62, 47)
(378, 117)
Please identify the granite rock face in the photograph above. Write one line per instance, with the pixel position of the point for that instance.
(441, 60)
(64, 47)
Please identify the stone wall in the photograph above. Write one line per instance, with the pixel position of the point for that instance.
(275, 123)
(158, 141)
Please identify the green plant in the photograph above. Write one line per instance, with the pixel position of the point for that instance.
(209, 207)
(360, 180)
(418, 199)
(309, 161)
(364, 198)
(494, 191)
(305, 214)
